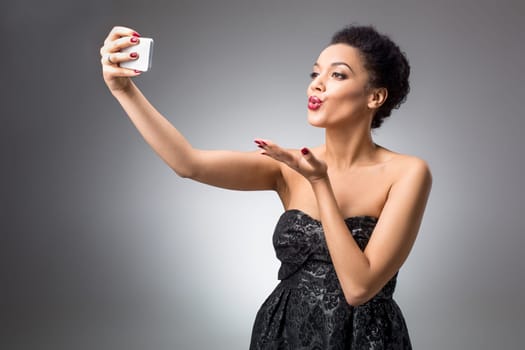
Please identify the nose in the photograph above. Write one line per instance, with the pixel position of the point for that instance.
(317, 84)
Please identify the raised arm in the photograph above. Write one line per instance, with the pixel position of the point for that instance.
(227, 169)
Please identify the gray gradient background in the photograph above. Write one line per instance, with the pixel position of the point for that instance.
(103, 247)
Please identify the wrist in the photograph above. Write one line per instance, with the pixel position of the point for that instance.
(323, 192)
(317, 181)
(124, 90)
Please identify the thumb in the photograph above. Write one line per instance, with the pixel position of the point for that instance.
(309, 156)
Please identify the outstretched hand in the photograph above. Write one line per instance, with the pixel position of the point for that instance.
(304, 162)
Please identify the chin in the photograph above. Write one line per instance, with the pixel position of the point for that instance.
(316, 119)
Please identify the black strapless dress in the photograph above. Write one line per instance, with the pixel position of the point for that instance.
(307, 309)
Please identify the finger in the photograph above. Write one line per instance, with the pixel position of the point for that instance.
(276, 152)
(260, 142)
(117, 71)
(268, 145)
(111, 55)
(309, 156)
(119, 44)
(119, 57)
(120, 31)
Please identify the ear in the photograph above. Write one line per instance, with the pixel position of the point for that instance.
(377, 97)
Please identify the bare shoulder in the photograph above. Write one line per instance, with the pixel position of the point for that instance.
(407, 167)
(408, 164)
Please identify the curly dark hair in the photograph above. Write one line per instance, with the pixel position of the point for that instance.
(386, 63)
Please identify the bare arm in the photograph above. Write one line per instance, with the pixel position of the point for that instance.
(363, 273)
(227, 169)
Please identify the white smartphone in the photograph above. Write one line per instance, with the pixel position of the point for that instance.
(145, 50)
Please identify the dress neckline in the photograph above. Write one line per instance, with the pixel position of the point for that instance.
(355, 217)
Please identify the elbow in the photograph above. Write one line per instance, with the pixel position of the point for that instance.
(357, 297)
(355, 301)
(184, 164)
(184, 169)
(184, 173)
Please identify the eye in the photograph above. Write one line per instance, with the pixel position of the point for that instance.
(338, 75)
(314, 75)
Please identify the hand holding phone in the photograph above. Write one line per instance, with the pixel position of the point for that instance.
(145, 50)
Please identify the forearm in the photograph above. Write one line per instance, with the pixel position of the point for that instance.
(156, 130)
(351, 264)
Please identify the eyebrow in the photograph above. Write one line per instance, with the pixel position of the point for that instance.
(333, 64)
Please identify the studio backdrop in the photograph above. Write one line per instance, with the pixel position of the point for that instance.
(104, 247)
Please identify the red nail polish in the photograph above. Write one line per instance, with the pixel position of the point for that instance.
(134, 39)
(136, 34)
(137, 71)
(305, 151)
(133, 55)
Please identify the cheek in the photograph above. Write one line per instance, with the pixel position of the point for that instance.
(347, 101)
(347, 106)
(352, 93)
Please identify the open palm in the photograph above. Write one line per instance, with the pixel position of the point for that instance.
(304, 161)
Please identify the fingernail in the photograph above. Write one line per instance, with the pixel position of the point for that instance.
(134, 39)
(305, 151)
(133, 55)
(137, 71)
(135, 34)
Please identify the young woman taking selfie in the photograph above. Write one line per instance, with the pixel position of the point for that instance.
(352, 208)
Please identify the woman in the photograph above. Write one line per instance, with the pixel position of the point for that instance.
(352, 207)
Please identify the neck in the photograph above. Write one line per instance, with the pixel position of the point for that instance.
(347, 147)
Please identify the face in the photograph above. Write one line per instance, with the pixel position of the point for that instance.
(337, 93)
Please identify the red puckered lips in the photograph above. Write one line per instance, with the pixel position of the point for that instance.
(314, 103)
